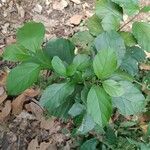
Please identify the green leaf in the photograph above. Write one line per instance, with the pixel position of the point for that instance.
(42, 59)
(87, 125)
(130, 65)
(111, 40)
(71, 70)
(129, 39)
(55, 95)
(121, 75)
(76, 109)
(99, 105)
(105, 63)
(131, 102)
(62, 48)
(82, 40)
(137, 53)
(94, 25)
(31, 35)
(15, 53)
(113, 88)
(22, 77)
(62, 111)
(145, 9)
(133, 56)
(130, 7)
(59, 66)
(89, 144)
(141, 31)
(110, 22)
(106, 7)
(81, 61)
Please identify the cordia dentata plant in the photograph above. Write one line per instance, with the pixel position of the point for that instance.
(101, 76)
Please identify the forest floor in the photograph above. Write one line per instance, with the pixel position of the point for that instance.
(22, 124)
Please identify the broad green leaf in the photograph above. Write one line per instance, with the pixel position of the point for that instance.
(81, 61)
(31, 35)
(99, 105)
(89, 144)
(141, 31)
(71, 70)
(113, 88)
(110, 22)
(55, 95)
(111, 40)
(76, 109)
(22, 77)
(59, 66)
(62, 48)
(106, 7)
(128, 38)
(83, 40)
(105, 63)
(145, 9)
(130, 7)
(62, 111)
(119, 75)
(133, 56)
(130, 65)
(94, 25)
(131, 102)
(42, 59)
(87, 125)
(137, 53)
(15, 53)
(84, 93)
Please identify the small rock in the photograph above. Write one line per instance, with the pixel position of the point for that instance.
(47, 2)
(60, 5)
(75, 20)
(76, 1)
(38, 8)
(3, 1)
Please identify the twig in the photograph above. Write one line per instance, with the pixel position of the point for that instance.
(128, 21)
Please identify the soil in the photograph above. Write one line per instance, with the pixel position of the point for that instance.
(27, 130)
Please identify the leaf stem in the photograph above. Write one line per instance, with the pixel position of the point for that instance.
(128, 21)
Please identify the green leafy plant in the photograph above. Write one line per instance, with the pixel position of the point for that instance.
(96, 71)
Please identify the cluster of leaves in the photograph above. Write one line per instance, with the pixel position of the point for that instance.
(92, 73)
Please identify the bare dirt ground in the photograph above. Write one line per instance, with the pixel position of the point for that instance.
(22, 125)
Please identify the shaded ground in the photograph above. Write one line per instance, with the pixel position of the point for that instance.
(27, 128)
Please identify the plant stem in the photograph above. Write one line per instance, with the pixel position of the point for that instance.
(128, 21)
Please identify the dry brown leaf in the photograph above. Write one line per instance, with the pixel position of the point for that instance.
(33, 145)
(145, 67)
(144, 128)
(75, 20)
(1, 90)
(3, 95)
(47, 146)
(50, 124)
(10, 40)
(5, 111)
(3, 77)
(147, 54)
(32, 92)
(35, 109)
(17, 104)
